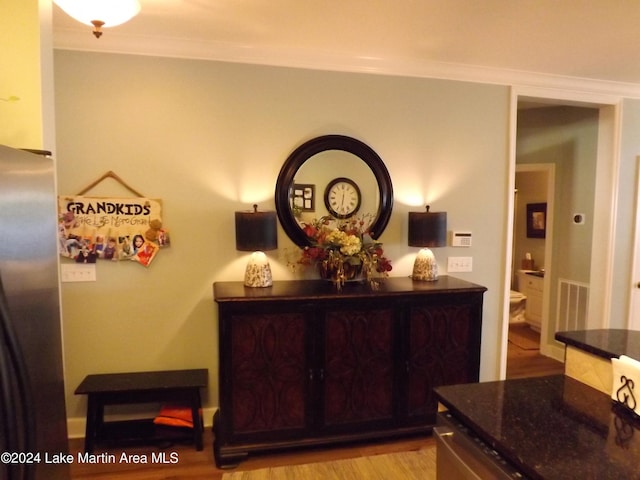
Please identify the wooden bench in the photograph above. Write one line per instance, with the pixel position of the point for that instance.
(179, 386)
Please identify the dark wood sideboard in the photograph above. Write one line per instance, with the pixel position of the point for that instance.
(301, 364)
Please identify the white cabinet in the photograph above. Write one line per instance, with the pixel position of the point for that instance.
(532, 286)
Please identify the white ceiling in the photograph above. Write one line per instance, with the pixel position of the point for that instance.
(587, 39)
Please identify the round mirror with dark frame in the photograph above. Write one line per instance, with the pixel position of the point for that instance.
(332, 155)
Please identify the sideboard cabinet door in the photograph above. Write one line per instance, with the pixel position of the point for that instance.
(358, 372)
(263, 380)
(267, 366)
(443, 349)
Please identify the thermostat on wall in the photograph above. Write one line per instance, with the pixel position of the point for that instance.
(461, 239)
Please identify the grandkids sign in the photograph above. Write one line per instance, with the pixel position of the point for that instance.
(93, 228)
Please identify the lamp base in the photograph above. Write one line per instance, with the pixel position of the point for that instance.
(258, 272)
(425, 267)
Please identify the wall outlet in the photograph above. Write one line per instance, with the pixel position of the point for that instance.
(460, 264)
(71, 272)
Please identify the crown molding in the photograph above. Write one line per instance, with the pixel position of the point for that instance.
(113, 42)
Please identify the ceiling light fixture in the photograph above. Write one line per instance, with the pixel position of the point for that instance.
(100, 13)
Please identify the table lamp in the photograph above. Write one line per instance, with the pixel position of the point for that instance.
(427, 229)
(256, 232)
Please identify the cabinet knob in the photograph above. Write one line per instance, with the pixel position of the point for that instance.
(638, 285)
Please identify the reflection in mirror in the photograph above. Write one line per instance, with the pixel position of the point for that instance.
(312, 166)
(320, 169)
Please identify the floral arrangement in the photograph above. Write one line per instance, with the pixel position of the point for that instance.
(344, 249)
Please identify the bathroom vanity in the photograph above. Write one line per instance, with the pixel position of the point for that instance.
(303, 364)
(531, 284)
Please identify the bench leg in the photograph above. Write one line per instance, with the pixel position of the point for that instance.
(95, 411)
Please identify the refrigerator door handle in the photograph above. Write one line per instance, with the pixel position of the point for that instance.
(19, 430)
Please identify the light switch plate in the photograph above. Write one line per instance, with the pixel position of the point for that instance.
(72, 272)
(460, 264)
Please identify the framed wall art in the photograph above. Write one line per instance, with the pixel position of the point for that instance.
(536, 220)
(303, 197)
(110, 228)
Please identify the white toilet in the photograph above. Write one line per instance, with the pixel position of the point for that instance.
(517, 302)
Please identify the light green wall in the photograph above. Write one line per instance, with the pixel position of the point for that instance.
(209, 139)
(568, 138)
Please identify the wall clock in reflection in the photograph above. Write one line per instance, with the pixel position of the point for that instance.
(342, 197)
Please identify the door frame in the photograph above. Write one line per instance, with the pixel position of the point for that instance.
(546, 348)
(607, 168)
(633, 320)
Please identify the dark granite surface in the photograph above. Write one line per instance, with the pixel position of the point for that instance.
(549, 427)
(606, 343)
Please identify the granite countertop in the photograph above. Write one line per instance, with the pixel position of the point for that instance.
(549, 427)
(605, 343)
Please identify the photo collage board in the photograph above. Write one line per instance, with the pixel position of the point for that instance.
(113, 229)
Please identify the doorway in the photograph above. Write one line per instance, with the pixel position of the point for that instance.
(604, 112)
(531, 268)
(533, 251)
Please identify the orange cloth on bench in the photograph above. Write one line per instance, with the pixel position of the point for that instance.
(175, 416)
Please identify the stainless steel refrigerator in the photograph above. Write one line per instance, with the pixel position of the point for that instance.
(32, 408)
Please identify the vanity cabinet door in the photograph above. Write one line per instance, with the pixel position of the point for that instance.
(534, 287)
(443, 349)
(266, 375)
(357, 368)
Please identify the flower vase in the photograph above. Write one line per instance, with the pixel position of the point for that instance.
(340, 273)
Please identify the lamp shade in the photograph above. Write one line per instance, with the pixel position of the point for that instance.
(109, 12)
(256, 231)
(427, 229)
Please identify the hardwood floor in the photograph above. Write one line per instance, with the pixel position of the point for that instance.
(193, 465)
(527, 362)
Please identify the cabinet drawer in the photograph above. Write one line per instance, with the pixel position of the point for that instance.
(534, 284)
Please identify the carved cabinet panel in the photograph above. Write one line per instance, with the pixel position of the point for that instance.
(443, 350)
(268, 371)
(358, 366)
(301, 364)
